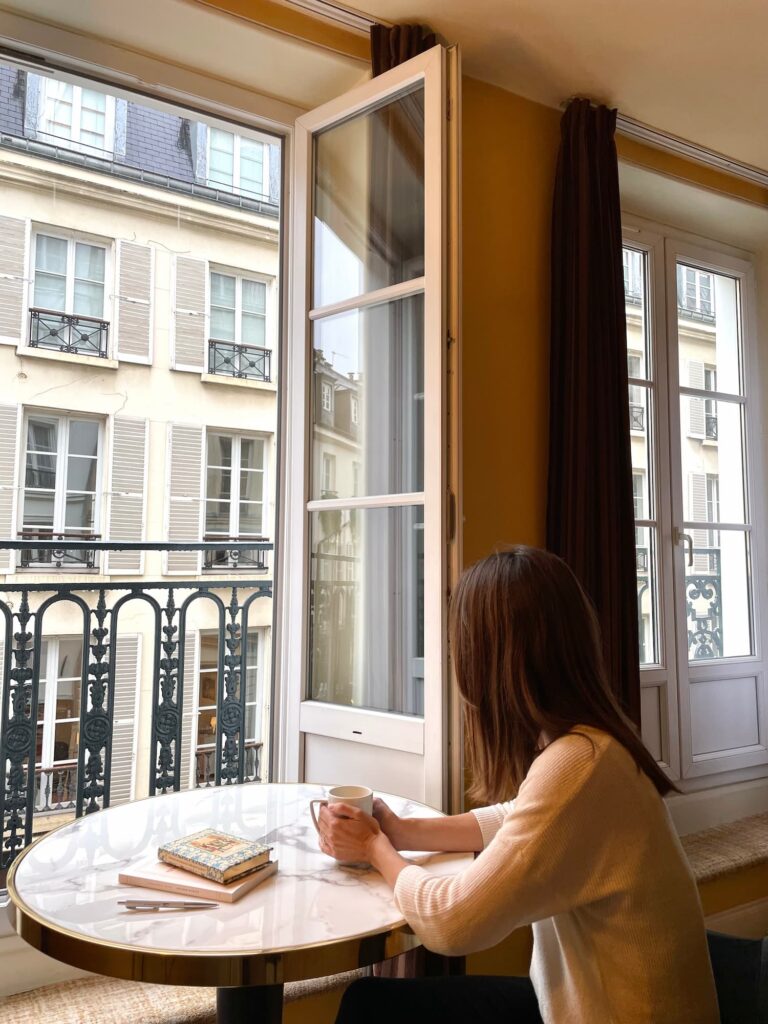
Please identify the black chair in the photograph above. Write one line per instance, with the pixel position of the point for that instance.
(740, 967)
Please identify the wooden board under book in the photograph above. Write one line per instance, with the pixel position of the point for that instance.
(154, 874)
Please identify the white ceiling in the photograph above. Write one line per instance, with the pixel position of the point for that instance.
(695, 68)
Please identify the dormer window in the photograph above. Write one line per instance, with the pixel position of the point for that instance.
(76, 117)
(238, 164)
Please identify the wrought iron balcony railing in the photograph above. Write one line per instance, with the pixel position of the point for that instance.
(64, 332)
(710, 427)
(205, 764)
(59, 557)
(231, 555)
(636, 417)
(25, 610)
(247, 362)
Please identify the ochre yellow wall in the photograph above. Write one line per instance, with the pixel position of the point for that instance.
(508, 152)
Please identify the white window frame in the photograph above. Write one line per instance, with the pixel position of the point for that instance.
(235, 186)
(62, 451)
(74, 142)
(326, 396)
(72, 239)
(673, 674)
(52, 680)
(240, 276)
(234, 506)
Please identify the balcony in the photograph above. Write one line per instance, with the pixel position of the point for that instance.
(232, 555)
(62, 332)
(710, 427)
(30, 792)
(245, 362)
(637, 417)
(46, 556)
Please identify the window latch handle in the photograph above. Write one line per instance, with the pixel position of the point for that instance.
(687, 540)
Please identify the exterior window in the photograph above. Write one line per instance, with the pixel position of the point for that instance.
(699, 581)
(354, 411)
(329, 474)
(636, 394)
(61, 487)
(238, 319)
(234, 497)
(68, 296)
(208, 683)
(695, 292)
(633, 277)
(76, 117)
(327, 397)
(238, 164)
(58, 723)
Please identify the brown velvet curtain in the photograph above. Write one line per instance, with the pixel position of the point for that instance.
(390, 47)
(395, 45)
(590, 512)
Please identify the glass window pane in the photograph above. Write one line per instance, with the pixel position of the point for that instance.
(222, 324)
(369, 201)
(217, 515)
(366, 608)
(70, 657)
(647, 594)
(251, 518)
(383, 345)
(40, 471)
(65, 741)
(81, 474)
(89, 262)
(254, 296)
(252, 486)
(38, 509)
(709, 330)
(219, 484)
(50, 292)
(83, 437)
(51, 254)
(206, 728)
(42, 435)
(718, 453)
(638, 327)
(88, 299)
(68, 699)
(639, 420)
(253, 330)
(209, 654)
(223, 290)
(251, 453)
(718, 598)
(219, 450)
(79, 512)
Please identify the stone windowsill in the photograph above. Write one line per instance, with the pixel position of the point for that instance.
(67, 357)
(238, 382)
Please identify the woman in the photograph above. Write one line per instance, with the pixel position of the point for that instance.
(586, 851)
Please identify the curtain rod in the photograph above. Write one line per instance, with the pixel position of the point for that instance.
(338, 13)
(692, 151)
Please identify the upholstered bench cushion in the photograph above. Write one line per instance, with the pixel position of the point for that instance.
(106, 1001)
(727, 848)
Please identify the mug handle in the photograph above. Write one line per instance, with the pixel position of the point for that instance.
(323, 803)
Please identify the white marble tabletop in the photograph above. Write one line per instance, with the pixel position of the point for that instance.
(68, 880)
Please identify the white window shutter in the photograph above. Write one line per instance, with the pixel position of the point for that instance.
(13, 246)
(10, 419)
(127, 492)
(189, 314)
(127, 675)
(696, 421)
(697, 490)
(188, 716)
(185, 502)
(133, 327)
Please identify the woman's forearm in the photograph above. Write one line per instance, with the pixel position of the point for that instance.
(458, 833)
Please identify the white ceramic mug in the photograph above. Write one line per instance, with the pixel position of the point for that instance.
(356, 796)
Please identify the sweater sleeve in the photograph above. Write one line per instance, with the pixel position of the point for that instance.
(490, 819)
(543, 859)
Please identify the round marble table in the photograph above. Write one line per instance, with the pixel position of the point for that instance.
(312, 919)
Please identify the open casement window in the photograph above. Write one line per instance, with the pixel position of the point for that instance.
(700, 568)
(365, 654)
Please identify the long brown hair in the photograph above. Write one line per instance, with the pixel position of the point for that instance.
(526, 649)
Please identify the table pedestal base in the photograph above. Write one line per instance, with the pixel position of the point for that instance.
(255, 1004)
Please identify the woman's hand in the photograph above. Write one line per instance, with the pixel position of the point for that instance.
(391, 825)
(347, 833)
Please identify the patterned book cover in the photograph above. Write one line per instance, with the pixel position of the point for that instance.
(214, 855)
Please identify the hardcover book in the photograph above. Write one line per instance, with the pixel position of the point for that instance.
(154, 874)
(215, 855)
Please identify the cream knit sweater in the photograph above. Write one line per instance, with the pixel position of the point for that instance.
(588, 853)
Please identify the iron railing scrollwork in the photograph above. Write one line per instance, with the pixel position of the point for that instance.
(232, 553)
(65, 332)
(61, 556)
(26, 786)
(246, 362)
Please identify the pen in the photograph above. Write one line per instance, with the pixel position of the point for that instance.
(164, 904)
